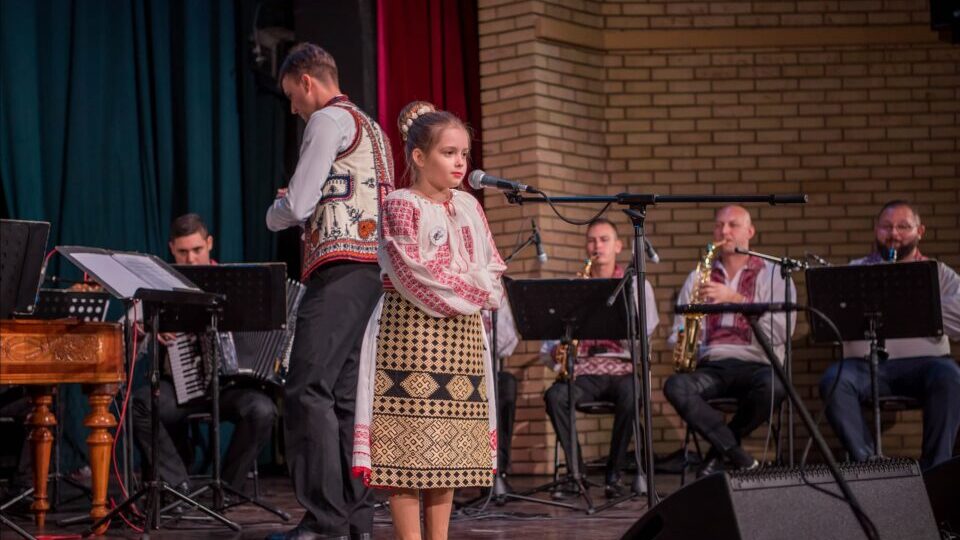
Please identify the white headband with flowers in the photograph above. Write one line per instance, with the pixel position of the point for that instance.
(414, 114)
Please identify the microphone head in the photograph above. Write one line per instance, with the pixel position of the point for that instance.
(475, 177)
(542, 256)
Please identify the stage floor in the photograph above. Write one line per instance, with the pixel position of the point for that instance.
(515, 519)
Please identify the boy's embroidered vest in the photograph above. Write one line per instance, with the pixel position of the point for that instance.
(345, 224)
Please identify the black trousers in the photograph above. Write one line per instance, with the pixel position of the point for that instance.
(251, 410)
(615, 388)
(321, 394)
(750, 382)
(506, 414)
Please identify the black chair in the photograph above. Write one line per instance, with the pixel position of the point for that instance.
(899, 403)
(726, 406)
(893, 404)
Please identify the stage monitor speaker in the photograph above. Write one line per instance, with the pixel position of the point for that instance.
(783, 503)
(943, 487)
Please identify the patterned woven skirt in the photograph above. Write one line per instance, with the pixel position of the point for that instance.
(430, 427)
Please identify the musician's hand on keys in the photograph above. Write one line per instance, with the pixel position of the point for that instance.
(281, 193)
(166, 338)
(717, 293)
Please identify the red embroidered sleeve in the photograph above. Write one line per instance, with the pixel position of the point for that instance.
(401, 219)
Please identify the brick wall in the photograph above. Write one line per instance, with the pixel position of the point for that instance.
(851, 102)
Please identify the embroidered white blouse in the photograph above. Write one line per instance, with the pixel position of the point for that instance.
(442, 258)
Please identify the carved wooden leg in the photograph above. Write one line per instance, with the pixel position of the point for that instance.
(99, 442)
(41, 419)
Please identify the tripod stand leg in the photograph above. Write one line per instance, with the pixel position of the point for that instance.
(164, 488)
(244, 499)
(104, 521)
(4, 521)
(18, 498)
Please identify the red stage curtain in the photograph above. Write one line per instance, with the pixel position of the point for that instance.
(427, 50)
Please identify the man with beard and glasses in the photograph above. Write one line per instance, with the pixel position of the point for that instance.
(920, 368)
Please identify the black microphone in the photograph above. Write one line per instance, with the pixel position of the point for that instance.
(651, 253)
(541, 254)
(479, 180)
(732, 307)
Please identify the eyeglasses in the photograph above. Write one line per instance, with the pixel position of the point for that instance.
(902, 228)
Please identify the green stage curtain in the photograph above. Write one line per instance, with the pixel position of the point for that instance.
(116, 117)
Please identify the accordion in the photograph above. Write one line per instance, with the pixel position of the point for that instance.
(265, 356)
(259, 357)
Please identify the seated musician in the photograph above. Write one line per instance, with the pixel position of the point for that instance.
(603, 369)
(920, 368)
(730, 362)
(250, 408)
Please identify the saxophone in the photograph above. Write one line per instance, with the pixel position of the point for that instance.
(688, 336)
(560, 353)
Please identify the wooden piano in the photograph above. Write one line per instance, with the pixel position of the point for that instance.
(43, 354)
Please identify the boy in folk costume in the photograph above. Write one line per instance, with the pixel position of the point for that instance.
(425, 420)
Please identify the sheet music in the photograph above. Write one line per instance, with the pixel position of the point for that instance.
(155, 276)
(115, 274)
(127, 272)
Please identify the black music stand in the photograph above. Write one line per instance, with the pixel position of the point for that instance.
(22, 246)
(876, 302)
(255, 299)
(567, 309)
(132, 277)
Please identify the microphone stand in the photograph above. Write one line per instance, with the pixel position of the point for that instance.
(787, 267)
(625, 287)
(637, 211)
(500, 489)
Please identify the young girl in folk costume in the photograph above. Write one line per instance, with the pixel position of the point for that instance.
(425, 421)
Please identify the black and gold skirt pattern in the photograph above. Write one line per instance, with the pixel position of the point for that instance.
(430, 423)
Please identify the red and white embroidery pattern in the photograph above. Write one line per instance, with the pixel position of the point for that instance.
(409, 282)
(401, 219)
(467, 237)
(739, 333)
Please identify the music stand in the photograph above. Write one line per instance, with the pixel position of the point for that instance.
(22, 244)
(255, 300)
(136, 276)
(567, 309)
(876, 302)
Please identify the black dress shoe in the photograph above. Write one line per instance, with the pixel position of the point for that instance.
(711, 465)
(302, 533)
(567, 489)
(612, 487)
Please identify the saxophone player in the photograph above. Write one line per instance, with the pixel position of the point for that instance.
(603, 368)
(730, 363)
